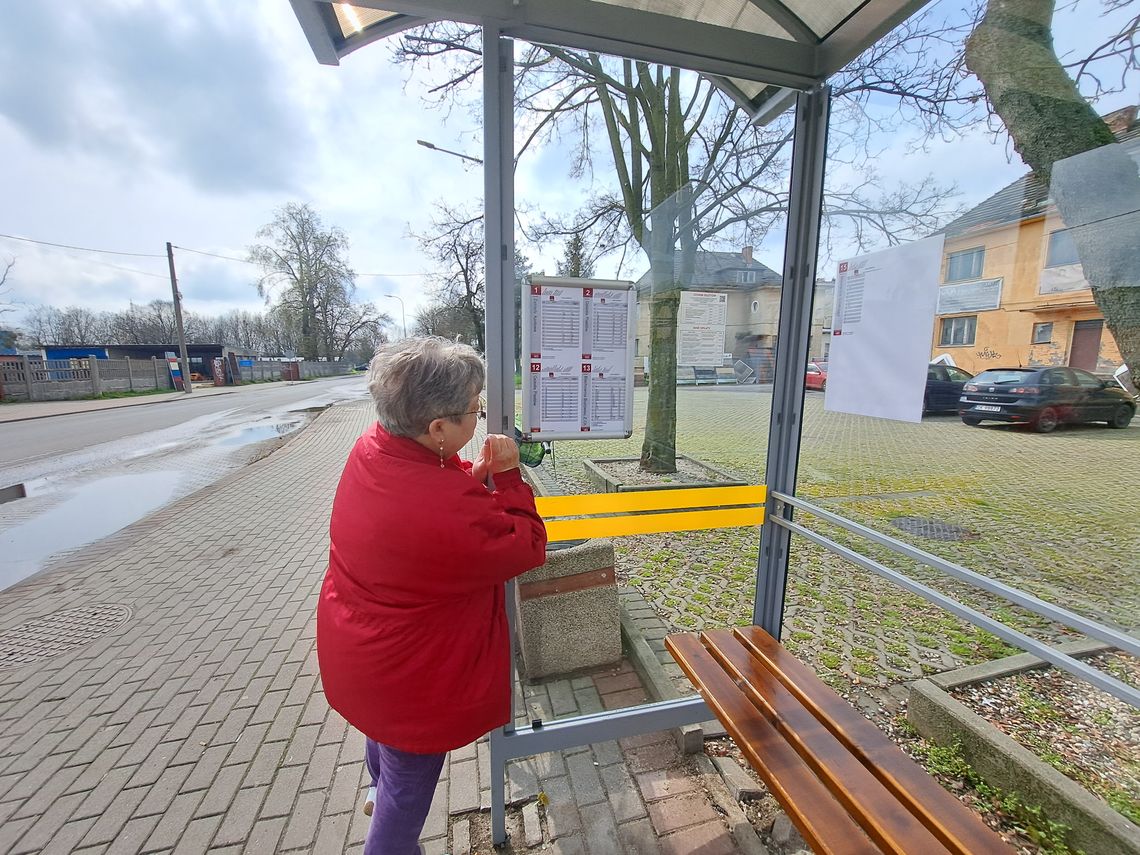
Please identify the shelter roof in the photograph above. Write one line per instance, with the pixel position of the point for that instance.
(762, 50)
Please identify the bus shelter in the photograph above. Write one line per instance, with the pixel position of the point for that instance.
(767, 56)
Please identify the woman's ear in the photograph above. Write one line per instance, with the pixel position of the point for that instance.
(436, 430)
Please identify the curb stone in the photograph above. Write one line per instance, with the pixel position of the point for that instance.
(1093, 825)
(742, 831)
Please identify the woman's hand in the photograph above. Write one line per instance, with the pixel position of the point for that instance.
(498, 454)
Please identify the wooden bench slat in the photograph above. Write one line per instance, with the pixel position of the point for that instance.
(954, 824)
(584, 504)
(616, 526)
(825, 825)
(885, 820)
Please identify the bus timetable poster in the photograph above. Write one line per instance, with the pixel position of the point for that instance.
(577, 348)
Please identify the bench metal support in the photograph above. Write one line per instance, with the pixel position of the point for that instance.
(581, 730)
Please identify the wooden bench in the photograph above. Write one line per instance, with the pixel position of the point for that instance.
(843, 783)
(714, 376)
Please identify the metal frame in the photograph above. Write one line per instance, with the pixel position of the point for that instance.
(805, 205)
(799, 62)
(1098, 678)
(602, 27)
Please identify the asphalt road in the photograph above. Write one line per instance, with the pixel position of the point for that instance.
(87, 475)
(25, 442)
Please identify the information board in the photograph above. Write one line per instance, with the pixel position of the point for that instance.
(577, 345)
(701, 322)
(880, 332)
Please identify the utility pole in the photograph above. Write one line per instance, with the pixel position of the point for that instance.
(186, 386)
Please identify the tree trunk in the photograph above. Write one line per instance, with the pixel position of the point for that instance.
(1056, 132)
(659, 450)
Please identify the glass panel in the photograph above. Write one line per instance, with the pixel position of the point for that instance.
(1025, 473)
(704, 257)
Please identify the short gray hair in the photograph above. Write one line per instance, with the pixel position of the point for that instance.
(416, 380)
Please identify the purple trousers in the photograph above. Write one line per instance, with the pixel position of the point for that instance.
(405, 784)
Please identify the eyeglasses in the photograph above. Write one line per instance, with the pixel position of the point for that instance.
(481, 412)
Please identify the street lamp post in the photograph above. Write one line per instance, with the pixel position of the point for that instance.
(434, 147)
(403, 317)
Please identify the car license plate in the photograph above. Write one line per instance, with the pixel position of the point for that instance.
(987, 408)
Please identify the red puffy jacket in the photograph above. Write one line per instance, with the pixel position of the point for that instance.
(412, 635)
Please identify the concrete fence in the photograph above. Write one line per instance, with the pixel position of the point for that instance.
(24, 378)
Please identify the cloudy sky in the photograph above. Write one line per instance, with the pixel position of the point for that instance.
(126, 124)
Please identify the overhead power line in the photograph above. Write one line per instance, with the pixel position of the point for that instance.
(162, 255)
(247, 261)
(83, 248)
(213, 254)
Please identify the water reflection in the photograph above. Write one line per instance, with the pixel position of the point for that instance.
(93, 511)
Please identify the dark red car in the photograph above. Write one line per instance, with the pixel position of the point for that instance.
(816, 376)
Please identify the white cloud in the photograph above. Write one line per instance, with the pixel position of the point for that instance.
(127, 124)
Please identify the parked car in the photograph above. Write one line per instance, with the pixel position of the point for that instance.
(1044, 398)
(943, 388)
(816, 376)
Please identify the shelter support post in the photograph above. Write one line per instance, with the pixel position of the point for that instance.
(499, 246)
(805, 204)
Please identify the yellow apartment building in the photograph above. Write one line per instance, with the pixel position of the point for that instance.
(1013, 292)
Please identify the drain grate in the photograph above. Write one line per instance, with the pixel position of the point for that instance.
(54, 634)
(933, 529)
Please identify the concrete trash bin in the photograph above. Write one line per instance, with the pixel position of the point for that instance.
(568, 614)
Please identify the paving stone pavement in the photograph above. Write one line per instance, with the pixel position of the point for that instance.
(198, 722)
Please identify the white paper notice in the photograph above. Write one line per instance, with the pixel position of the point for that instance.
(579, 345)
(701, 321)
(880, 331)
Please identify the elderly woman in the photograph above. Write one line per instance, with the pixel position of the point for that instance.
(412, 633)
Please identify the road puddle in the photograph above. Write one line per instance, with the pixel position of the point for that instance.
(258, 433)
(92, 511)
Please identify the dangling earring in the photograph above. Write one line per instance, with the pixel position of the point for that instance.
(441, 455)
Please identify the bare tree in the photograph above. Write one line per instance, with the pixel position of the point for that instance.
(5, 306)
(456, 243)
(303, 265)
(41, 323)
(691, 170)
(152, 323)
(445, 321)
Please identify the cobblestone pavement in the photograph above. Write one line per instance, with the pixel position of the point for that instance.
(1051, 514)
(159, 693)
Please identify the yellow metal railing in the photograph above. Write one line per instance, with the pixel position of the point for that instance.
(647, 512)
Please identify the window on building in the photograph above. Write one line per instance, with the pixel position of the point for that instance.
(1062, 249)
(747, 277)
(958, 331)
(755, 306)
(1042, 333)
(966, 264)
